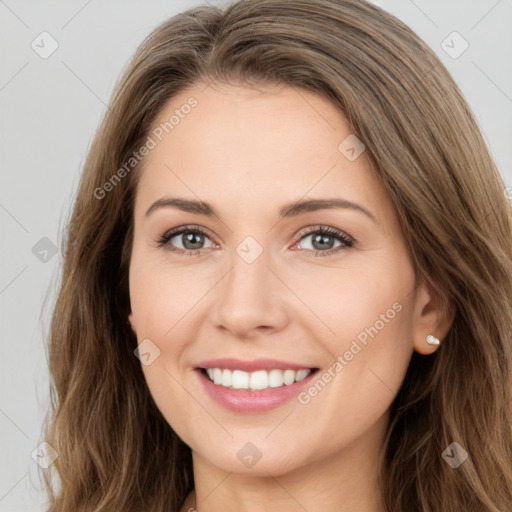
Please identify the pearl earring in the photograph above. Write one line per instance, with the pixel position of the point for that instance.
(432, 340)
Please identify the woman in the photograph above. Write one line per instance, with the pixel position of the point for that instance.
(341, 337)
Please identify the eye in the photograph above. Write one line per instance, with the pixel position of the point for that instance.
(188, 240)
(323, 240)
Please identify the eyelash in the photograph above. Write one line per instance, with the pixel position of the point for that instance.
(163, 240)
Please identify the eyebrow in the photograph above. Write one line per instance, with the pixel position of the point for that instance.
(288, 210)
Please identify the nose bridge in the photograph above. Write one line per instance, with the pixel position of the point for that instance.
(249, 296)
(247, 278)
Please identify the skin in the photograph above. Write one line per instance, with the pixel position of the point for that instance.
(248, 152)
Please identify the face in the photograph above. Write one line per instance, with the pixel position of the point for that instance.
(281, 274)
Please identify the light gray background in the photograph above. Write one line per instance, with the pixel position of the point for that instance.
(50, 109)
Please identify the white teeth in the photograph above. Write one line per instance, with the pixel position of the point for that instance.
(240, 379)
(217, 375)
(275, 378)
(289, 377)
(301, 375)
(226, 378)
(261, 379)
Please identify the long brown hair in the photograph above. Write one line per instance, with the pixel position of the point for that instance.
(116, 451)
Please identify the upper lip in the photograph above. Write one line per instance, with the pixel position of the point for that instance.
(253, 365)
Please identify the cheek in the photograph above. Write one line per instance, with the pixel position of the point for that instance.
(161, 296)
(162, 303)
(358, 386)
(367, 339)
(350, 302)
(174, 402)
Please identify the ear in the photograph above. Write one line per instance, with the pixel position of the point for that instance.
(131, 321)
(431, 316)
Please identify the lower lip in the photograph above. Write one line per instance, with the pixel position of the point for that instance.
(241, 400)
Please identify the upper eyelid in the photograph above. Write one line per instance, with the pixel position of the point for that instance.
(187, 227)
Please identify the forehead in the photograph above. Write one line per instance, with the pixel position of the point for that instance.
(241, 144)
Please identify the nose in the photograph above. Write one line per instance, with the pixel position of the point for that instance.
(250, 300)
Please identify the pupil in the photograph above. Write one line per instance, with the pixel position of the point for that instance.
(194, 239)
(323, 240)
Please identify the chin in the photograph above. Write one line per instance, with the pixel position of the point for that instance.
(255, 459)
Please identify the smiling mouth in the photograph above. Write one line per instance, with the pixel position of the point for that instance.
(257, 380)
